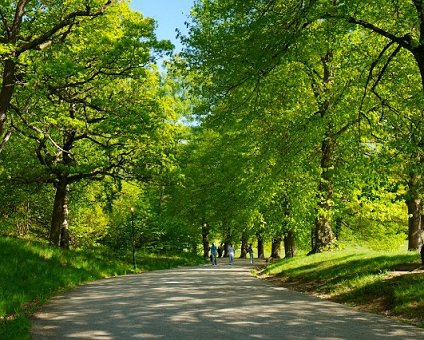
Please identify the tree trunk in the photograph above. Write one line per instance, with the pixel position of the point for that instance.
(59, 224)
(205, 240)
(413, 203)
(323, 234)
(418, 53)
(276, 247)
(243, 250)
(261, 253)
(9, 71)
(225, 253)
(227, 237)
(289, 244)
(6, 92)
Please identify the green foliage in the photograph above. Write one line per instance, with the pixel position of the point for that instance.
(297, 123)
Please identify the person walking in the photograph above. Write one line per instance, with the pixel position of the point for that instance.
(231, 253)
(213, 254)
(250, 251)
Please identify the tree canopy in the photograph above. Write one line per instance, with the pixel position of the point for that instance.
(280, 121)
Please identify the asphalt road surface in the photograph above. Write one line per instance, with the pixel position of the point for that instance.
(206, 302)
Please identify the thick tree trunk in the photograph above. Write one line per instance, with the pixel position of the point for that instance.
(243, 250)
(261, 253)
(289, 244)
(205, 240)
(9, 72)
(323, 234)
(414, 205)
(6, 92)
(59, 223)
(276, 247)
(418, 53)
(225, 252)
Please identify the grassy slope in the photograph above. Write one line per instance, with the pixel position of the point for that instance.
(366, 279)
(31, 273)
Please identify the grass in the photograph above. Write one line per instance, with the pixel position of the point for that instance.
(31, 273)
(380, 282)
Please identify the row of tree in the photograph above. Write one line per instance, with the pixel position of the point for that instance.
(312, 120)
(307, 125)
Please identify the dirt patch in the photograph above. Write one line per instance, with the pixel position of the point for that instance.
(405, 269)
(409, 267)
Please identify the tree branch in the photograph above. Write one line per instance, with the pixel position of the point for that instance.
(420, 11)
(5, 139)
(6, 27)
(404, 41)
(67, 21)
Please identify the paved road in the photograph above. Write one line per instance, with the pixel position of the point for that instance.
(207, 302)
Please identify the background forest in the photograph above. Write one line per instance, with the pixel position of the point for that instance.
(287, 124)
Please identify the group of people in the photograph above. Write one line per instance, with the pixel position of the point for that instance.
(217, 251)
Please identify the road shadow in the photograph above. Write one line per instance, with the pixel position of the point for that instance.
(205, 302)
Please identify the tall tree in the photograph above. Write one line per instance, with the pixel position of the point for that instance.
(31, 26)
(400, 24)
(85, 128)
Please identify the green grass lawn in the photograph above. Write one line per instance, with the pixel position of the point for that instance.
(31, 273)
(381, 282)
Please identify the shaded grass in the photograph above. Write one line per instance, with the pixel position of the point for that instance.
(31, 273)
(367, 279)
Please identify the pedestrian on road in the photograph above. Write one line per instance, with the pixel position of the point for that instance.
(250, 251)
(213, 254)
(231, 253)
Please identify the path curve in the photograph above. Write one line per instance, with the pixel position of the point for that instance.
(206, 302)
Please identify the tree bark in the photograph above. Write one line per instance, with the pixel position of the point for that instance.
(276, 247)
(9, 72)
(60, 214)
(418, 53)
(261, 253)
(6, 92)
(289, 244)
(205, 240)
(243, 250)
(413, 203)
(323, 234)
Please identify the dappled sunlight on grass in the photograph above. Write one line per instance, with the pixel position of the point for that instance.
(358, 277)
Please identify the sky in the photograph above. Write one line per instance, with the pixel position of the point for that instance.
(169, 15)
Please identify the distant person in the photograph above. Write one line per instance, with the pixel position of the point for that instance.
(250, 251)
(213, 254)
(231, 253)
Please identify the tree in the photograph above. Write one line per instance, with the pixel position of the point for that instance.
(30, 27)
(240, 73)
(400, 24)
(97, 110)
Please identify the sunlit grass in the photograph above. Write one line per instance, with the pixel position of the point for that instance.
(31, 273)
(367, 279)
